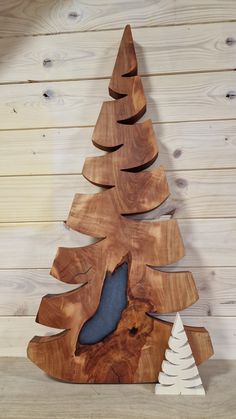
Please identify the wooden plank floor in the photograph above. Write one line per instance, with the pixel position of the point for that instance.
(26, 393)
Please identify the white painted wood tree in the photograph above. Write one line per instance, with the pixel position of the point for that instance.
(179, 373)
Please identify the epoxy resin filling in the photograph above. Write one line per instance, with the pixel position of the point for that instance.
(113, 301)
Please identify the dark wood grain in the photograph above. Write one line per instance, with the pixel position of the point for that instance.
(133, 352)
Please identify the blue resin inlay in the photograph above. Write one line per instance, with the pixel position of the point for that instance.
(113, 302)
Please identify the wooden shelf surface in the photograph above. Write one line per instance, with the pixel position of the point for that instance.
(27, 393)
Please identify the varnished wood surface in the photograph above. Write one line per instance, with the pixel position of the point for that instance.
(27, 393)
(134, 351)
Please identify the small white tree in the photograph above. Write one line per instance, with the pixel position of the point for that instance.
(179, 373)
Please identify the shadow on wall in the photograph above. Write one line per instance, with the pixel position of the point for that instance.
(168, 208)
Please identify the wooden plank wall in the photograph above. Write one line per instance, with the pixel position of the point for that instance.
(55, 61)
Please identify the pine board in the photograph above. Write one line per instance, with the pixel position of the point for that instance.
(41, 198)
(50, 16)
(34, 245)
(16, 331)
(73, 103)
(222, 332)
(22, 290)
(191, 145)
(92, 54)
(208, 242)
(183, 146)
(48, 198)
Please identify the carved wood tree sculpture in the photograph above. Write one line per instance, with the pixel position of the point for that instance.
(134, 351)
(179, 373)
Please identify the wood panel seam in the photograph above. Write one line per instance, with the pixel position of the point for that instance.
(161, 74)
(204, 22)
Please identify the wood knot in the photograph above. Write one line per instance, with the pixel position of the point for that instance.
(66, 225)
(181, 183)
(230, 95)
(229, 41)
(73, 15)
(177, 153)
(48, 94)
(47, 62)
(133, 331)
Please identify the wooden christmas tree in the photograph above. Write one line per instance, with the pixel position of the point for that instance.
(134, 351)
(179, 372)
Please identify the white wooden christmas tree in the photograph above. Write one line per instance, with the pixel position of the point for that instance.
(179, 373)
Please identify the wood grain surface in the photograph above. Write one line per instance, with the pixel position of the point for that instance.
(50, 16)
(171, 49)
(20, 382)
(194, 97)
(16, 331)
(34, 244)
(22, 290)
(133, 352)
(182, 146)
(190, 43)
(48, 198)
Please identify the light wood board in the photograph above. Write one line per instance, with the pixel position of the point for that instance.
(221, 330)
(183, 146)
(73, 103)
(22, 290)
(197, 45)
(16, 331)
(92, 54)
(208, 242)
(198, 193)
(50, 16)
